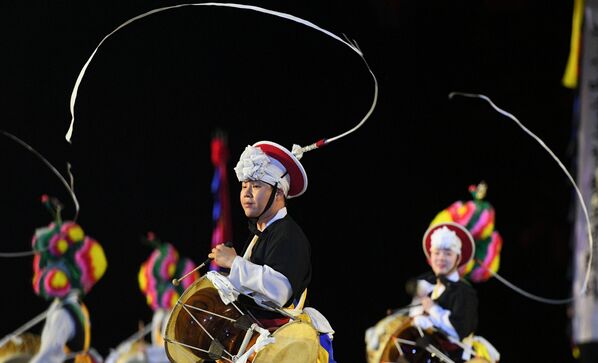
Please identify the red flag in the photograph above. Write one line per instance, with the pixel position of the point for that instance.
(221, 231)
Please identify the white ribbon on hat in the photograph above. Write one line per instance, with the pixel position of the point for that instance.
(254, 164)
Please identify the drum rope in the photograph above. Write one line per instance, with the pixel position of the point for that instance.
(236, 307)
(202, 328)
(443, 357)
(398, 345)
(430, 348)
(184, 345)
(210, 313)
(197, 321)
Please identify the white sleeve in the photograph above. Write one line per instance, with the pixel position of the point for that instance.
(423, 288)
(440, 319)
(416, 307)
(59, 328)
(252, 279)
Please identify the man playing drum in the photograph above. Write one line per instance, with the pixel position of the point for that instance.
(276, 262)
(448, 302)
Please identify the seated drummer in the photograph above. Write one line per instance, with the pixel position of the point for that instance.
(448, 303)
(276, 262)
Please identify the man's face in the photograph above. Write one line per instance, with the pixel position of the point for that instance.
(254, 197)
(443, 261)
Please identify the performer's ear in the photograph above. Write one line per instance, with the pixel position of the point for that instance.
(457, 262)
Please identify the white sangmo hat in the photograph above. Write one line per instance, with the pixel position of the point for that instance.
(273, 164)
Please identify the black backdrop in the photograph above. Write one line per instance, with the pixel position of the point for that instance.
(156, 91)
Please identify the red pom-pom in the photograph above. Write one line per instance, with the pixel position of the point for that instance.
(151, 236)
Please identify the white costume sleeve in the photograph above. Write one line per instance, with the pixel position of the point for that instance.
(423, 288)
(59, 328)
(440, 319)
(260, 281)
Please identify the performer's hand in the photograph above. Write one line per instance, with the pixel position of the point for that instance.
(427, 303)
(223, 256)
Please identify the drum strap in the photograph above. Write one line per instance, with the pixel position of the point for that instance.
(297, 306)
(438, 290)
(247, 254)
(80, 317)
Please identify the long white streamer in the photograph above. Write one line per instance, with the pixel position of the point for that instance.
(577, 191)
(55, 171)
(353, 45)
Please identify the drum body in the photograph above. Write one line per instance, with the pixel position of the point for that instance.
(295, 342)
(198, 320)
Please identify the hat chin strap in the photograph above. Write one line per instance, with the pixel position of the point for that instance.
(269, 204)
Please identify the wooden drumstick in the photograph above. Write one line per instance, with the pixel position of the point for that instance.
(176, 282)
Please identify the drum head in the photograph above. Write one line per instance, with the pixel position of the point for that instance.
(295, 342)
(189, 331)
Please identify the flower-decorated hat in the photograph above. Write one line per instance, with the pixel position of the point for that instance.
(65, 259)
(451, 236)
(478, 216)
(273, 164)
(156, 273)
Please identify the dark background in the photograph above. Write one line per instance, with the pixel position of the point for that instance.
(157, 90)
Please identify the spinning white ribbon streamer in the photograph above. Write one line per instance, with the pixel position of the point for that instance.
(297, 150)
(577, 191)
(70, 188)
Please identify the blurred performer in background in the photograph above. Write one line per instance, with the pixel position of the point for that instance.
(466, 248)
(155, 276)
(66, 266)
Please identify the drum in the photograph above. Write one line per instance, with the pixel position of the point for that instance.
(201, 327)
(21, 349)
(408, 344)
(382, 332)
(295, 342)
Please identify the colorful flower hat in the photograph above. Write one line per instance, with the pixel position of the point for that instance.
(65, 259)
(477, 215)
(157, 272)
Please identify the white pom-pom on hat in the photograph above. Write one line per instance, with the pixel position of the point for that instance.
(467, 243)
(273, 164)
